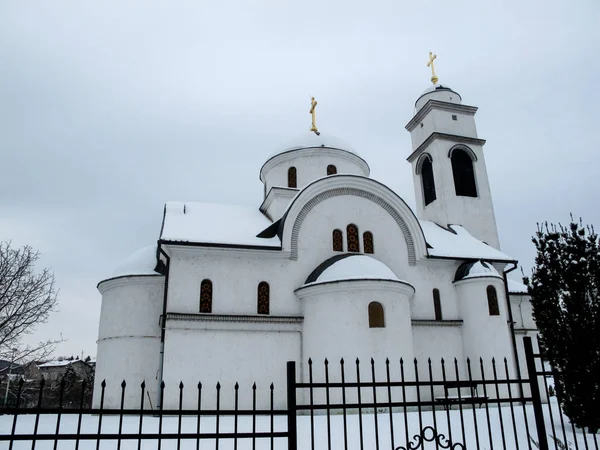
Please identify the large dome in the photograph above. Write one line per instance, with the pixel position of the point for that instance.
(351, 267)
(311, 140)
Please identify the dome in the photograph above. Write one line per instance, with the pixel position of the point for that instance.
(311, 140)
(140, 262)
(351, 267)
(475, 269)
(440, 93)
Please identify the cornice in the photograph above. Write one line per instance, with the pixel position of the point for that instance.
(438, 104)
(216, 249)
(308, 151)
(111, 283)
(234, 318)
(436, 323)
(447, 137)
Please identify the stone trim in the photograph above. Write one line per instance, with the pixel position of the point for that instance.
(445, 136)
(357, 193)
(436, 323)
(111, 283)
(234, 318)
(438, 104)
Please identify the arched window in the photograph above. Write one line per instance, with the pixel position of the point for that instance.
(331, 170)
(206, 290)
(492, 297)
(292, 178)
(338, 241)
(262, 304)
(427, 180)
(352, 236)
(464, 175)
(376, 317)
(368, 242)
(437, 304)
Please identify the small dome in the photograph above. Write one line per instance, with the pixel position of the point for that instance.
(351, 267)
(311, 140)
(141, 262)
(475, 269)
(438, 92)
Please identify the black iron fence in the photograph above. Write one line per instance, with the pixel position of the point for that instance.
(398, 405)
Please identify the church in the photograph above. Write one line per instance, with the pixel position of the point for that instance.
(329, 264)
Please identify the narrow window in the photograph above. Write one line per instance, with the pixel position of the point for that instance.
(437, 304)
(262, 305)
(376, 318)
(493, 301)
(331, 170)
(454, 117)
(292, 181)
(464, 175)
(352, 236)
(368, 242)
(428, 182)
(206, 290)
(338, 241)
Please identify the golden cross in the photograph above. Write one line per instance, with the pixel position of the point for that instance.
(313, 104)
(434, 78)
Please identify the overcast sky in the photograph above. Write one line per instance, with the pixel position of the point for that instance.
(108, 109)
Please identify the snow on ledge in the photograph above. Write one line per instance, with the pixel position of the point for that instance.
(141, 262)
(515, 287)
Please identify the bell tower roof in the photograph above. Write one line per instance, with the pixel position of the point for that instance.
(438, 92)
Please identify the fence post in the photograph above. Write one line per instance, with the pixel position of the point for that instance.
(535, 394)
(291, 406)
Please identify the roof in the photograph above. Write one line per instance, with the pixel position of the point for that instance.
(515, 287)
(59, 363)
(140, 262)
(475, 269)
(456, 242)
(351, 267)
(311, 140)
(216, 224)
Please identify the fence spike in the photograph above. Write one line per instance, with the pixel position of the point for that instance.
(310, 361)
(236, 386)
(387, 361)
(326, 362)
(103, 384)
(199, 384)
(181, 385)
(162, 385)
(357, 362)
(468, 360)
(123, 384)
(342, 361)
(272, 386)
(254, 386)
(372, 361)
(218, 385)
(143, 385)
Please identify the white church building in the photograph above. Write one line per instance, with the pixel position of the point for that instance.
(331, 264)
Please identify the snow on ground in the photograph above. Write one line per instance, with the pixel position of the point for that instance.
(110, 424)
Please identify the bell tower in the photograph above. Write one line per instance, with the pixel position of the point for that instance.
(449, 173)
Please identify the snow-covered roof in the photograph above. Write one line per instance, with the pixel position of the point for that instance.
(310, 140)
(475, 269)
(59, 363)
(213, 223)
(458, 243)
(351, 267)
(516, 287)
(140, 262)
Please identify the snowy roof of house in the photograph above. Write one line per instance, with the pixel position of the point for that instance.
(310, 140)
(351, 267)
(456, 242)
(516, 287)
(58, 363)
(140, 262)
(212, 223)
(475, 269)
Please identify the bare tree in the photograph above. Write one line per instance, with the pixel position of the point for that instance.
(27, 298)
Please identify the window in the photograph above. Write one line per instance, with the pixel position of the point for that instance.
(206, 290)
(492, 297)
(331, 170)
(437, 304)
(368, 242)
(292, 181)
(262, 304)
(352, 236)
(427, 180)
(376, 318)
(464, 175)
(338, 241)
(454, 117)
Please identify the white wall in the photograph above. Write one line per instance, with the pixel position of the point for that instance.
(128, 338)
